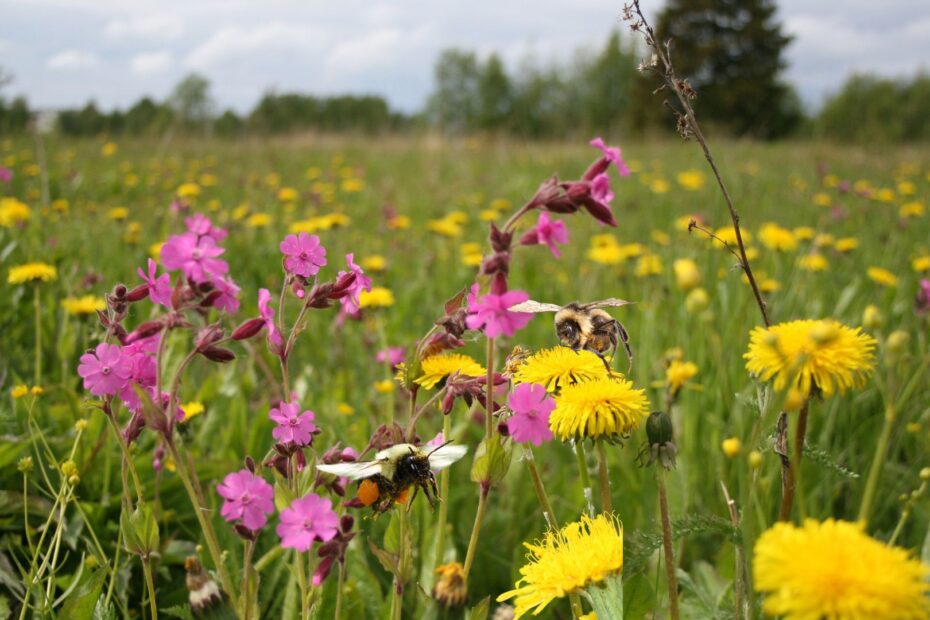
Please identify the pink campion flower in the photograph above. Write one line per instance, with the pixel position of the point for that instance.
(159, 286)
(229, 294)
(195, 256)
(306, 520)
(547, 231)
(267, 313)
(6, 175)
(361, 283)
(106, 371)
(200, 225)
(303, 254)
(292, 425)
(922, 301)
(391, 355)
(612, 154)
(249, 499)
(531, 406)
(437, 441)
(492, 312)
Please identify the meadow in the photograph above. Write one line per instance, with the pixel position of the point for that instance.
(832, 233)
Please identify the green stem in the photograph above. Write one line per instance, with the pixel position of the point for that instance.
(548, 514)
(339, 587)
(246, 594)
(127, 459)
(489, 395)
(443, 497)
(397, 602)
(150, 587)
(302, 584)
(37, 300)
(794, 475)
(585, 478)
(476, 528)
(667, 546)
(604, 477)
(878, 460)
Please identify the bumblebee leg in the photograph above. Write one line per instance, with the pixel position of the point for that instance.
(416, 489)
(625, 339)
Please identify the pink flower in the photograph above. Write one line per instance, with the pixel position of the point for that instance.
(493, 313)
(547, 231)
(193, 255)
(437, 441)
(200, 225)
(159, 287)
(531, 406)
(267, 313)
(292, 426)
(361, 283)
(6, 175)
(392, 355)
(229, 295)
(612, 154)
(303, 254)
(249, 499)
(307, 519)
(106, 371)
(922, 302)
(600, 190)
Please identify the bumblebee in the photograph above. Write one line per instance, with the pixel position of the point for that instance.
(586, 326)
(388, 478)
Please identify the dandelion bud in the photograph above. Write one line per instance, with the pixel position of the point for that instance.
(872, 317)
(218, 354)
(659, 428)
(732, 447)
(138, 294)
(248, 329)
(755, 459)
(897, 344)
(925, 473)
(696, 301)
(451, 589)
(24, 465)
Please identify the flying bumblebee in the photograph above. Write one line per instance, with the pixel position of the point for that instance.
(586, 326)
(387, 479)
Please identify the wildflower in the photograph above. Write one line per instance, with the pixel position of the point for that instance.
(687, 274)
(29, 272)
(228, 298)
(921, 264)
(201, 225)
(755, 459)
(118, 213)
(159, 287)
(648, 265)
(267, 313)
(660, 237)
(399, 222)
(531, 406)
(872, 317)
(384, 386)
(84, 305)
(823, 240)
(566, 561)
(258, 220)
(774, 237)
(488, 215)
(106, 371)
(611, 154)
(691, 180)
(13, 212)
(38, 390)
(188, 190)
(377, 297)
(451, 589)
(558, 367)
(813, 262)
(897, 344)
(288, 194)
(292, 426)
(731, 446)
(375, 262)
(606, 254)
(303, 254)
(391, 355)
(808, 354)
(109, 149)
(249, 499)
(846, 244)
(195, 256)
(24, 465)
(804, 233)
(727, 235)
(445, 227)
(19, 391)
(678, 373)
(922, 301)
(6, 175)
(438, 367)
(835, 570)
(882, 276)
(547, 231)
(306, 520)
(602, 407)
(821, 199)
(351, 301)
(911, 209)
(492, 312)
(697, 300)
(191, 409)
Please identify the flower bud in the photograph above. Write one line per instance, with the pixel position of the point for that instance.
(872, 317)
(731, 446)
(146, 330)
(451, 589)
(925, 473)
(119, 292)
(138, 294)
(207, 336)
(248, 329)
(250, 464)
(218, 354)
(696, 301)
(74, 480)
(25, 464)
(80, 425)
(755, 459)
(659, 428)
(897, 344)
(69, 468)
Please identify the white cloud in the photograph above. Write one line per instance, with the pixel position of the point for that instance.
(148, 63)
(149, 26)
(232, 43)
(378, 49)
(71, 59)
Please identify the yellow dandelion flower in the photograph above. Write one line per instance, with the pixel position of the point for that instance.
(660, 237)
(109, 149)
(813, 262)
(457, 217)
(804, 233)
(831, 180)
(399, 222)
(885, 194)
(835, 570)
(659, 186)
(682, 223)
(882, 276)
(752, 253)
(272, 179)
(191, 409)
(375, 262)
(445, 227)
(84, 305)
(906, 188)
(385, 386)
(846, 244)
(435, 368)
(648, 265)
(188, 190)
(258, 220)
(155, 250)
(13, 212)
(774, 237)
(731, 447)
(728, 235)
(472, 260)
(921, 264)
(558, 367)
(488, 215)
(470, 248)
(29, 272)
(345, 409)
(691, 180)
(678, 374)
(632, 250)
(352, 186)
(603, 240)
(208, 179)
(606, 254)
(697, 300)
(378, 297)
(118, 213)
(288, 194)
(687, 274)
(809, 354)
(911, 209)
(822, 199)
(19, 391)
(607, 406)
(566, 561)
(823, 240)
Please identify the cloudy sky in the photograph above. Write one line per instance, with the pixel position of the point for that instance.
(65, 52)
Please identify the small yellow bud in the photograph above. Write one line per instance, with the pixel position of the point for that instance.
(687, 274)
(80, 425)
(897, 343)
(731, 446)
(25, 464)
(37, 390)
(69, 468)
(91, 561)
(696, 300)
(19, 391)
(74, 480)
(384, 387)
(872, 317)
(755, 459)
(925, 473)
(913, 427)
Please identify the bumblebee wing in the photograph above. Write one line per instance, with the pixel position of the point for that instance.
(442, 457)
(353, 471)
(613, 302)
(534, 306)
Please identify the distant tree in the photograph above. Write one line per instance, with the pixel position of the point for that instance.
(147, 116)
(495, 96)
(607, 86)
(455, 102)
(732, 52)
(191, 100)
(228, 124)
(84, 122)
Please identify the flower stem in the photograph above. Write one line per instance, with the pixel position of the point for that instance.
(791, 482)
(878, 460)
(397, 602)
(667, 546)
(473, 541)
(604, 478)
(339, 588)
(246, 594)
(585, 478)
(302, 584)
(548, 514)
(489, 406)
(443, 498)
(38, 312)
(150, 586)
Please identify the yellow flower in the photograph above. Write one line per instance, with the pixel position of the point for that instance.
(882, 276)
(566, 561)
(813, 262)
(87, 304)
(258, 220)
(696, 300)
(835, 570)
(808, 354)
(191, 409)
(823, 240)
(155, 250)
(288, 194)
(352, 186)
(822, 199)
(345, 409)
(728, 235)
(607, 406)
(659, 186)
(385, 386)
(678, 373)
(846, 244)
(872, 317)
(109, 149)
(731, 446)
(906, 188)
(378, 297)
(774, 237)
(691, 180)
(804, 233)
(558, 367)
(648, 265)
(188, 190)
(885, 194)
(208, 180)
(399, 222)
(921, 264)
(445, 227)
(375, 262)
(19, 391)
(660, 237)
(451, 588)
(769, 285)
(118, 213)
(13, 212)
(472, 260)
(500, 204)
(457, 217)
(687, 274)
(911, 209)
(32, 271)
(437, 367)
(606, 254)
(488, 215)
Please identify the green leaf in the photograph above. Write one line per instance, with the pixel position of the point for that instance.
(388, 560)
(82, 601)
(607, 597)
(492, 461)
(140, 530)
(480, 611)
(638, 597)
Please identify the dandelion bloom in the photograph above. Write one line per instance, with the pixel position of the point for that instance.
(350, 302)
(687, 274)
(307, 519)
(159, 286)
(598, 408)
(813, 262)
(566, 561)
(882, 276)
(303, 254)
(13, 212)
(811, 354)
(492, 312)
(292, 426)
(774, 237)
(377, 297)
(28, 272)
(267, 313)
(547, 231)
(106, 371)
(559, 366)
(678, 373)
(195, 256)
(612, 154)
(835, 570)
(531, 406)
(84, 305)
(437, 367)
(249, 499)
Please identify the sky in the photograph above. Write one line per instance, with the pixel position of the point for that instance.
(63, 53)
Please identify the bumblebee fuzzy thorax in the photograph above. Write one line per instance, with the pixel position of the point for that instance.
(572, 326)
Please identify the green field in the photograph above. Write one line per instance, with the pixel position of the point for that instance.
(94, 213)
